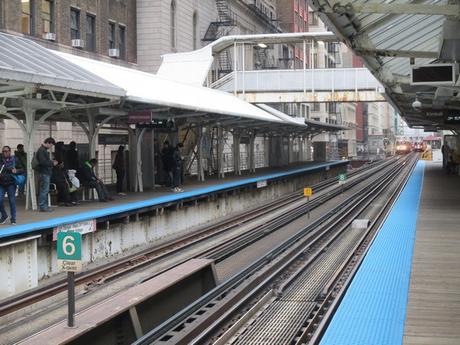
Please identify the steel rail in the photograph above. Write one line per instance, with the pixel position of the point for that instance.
(336, 290)
(129, 263)
(236, 280)
(318, 253)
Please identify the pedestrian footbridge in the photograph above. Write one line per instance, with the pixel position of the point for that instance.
(304, 85)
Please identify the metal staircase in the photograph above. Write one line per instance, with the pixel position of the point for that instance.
(226, 21)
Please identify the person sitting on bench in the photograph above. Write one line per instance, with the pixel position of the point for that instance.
(89, 179)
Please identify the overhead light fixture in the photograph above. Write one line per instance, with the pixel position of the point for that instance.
(262, 45)
(417, 105)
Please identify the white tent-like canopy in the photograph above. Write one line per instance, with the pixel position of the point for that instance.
(151, 89)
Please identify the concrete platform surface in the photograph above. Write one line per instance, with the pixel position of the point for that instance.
(30, 221)
(433, 310)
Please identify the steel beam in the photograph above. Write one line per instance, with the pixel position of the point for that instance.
(345, 6)
(398, 53)
(317, 97)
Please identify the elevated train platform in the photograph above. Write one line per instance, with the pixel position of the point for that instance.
(27, 250)
(407, 288)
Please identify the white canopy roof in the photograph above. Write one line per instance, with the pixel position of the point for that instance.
(149, 88)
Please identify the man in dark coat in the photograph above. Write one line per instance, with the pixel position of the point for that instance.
(44, 168)
(21, 162)
(72, 161)
(119, 167)
(167, 161)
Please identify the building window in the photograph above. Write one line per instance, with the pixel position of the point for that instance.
(122, 44)
(27, 17)
(312, 18)
(173, 24)
(195, 30)
(90, 33)
(111, 35)
(74, 24)
(47, 14)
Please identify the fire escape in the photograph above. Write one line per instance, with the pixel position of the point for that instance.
(225, 23)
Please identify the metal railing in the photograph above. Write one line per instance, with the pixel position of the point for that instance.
(309, 80)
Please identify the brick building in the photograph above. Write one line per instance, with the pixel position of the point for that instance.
(104, 29)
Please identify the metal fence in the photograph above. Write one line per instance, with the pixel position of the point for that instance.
(327, 79)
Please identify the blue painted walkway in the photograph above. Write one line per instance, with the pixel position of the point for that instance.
(373, 309)
(8, 231)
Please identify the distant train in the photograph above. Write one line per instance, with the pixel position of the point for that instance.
(403, 147)
(419, 146)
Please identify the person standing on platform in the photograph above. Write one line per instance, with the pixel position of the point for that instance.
(59, 177)
(72, 161)
(119, 167)
(45, 168)
(177, 168)
(21, 161)
(167, 160)
(8, 184)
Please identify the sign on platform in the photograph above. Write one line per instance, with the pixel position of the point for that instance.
(261, 184)
(84, 227)
(69, 251)
(342, 178)
(307, 191)
(427, 155)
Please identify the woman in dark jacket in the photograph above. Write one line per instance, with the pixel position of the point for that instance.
(119, 167)
(7, 184)
(60, 178)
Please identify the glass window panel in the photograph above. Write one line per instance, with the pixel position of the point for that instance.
(111, 35)
(26, 16)
(90, 33)
(122, 44)
(47, 15)
(74, 23)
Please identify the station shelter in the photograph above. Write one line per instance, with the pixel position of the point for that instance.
(38, 85)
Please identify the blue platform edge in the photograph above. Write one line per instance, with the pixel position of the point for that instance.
(373, 309)
(82, 216)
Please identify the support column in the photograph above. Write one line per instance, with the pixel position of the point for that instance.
(291, 150)
(252, 158)
(29, 135)
(93, 131)
(153, 158)
(301, 148)
(236, 153)
(140, 183)
(199, 155)
(132, 159)
(220, 152)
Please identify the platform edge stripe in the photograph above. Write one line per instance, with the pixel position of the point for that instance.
(373, 309)
(10, 231)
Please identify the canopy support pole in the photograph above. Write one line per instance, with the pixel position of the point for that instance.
(140, 183)
(236, 152)
(153, 158)
(29, 135)
(199, 155)
(252, 160)
(220, 152)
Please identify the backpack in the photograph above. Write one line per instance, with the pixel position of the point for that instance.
(35, 164)
(6, 179)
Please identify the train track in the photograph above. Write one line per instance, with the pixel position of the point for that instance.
(103, 274)
(204, 317)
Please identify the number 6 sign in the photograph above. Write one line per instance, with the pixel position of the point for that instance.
(69, 250)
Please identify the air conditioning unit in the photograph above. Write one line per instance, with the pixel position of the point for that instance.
(78, 43)
(50, 36)
(115, 53)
